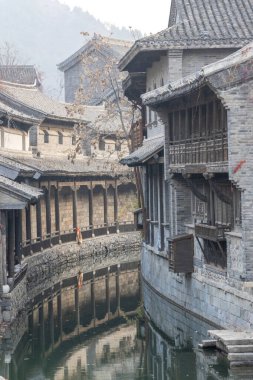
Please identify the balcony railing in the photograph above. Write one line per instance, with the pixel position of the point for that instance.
(36, 245)
(213, 233)
(202, 150)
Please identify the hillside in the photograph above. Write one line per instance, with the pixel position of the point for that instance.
(45, 32)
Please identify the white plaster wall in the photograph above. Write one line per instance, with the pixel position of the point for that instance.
(14, 139)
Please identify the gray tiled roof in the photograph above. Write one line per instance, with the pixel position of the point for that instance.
(201, 23)
(141, 155)
(19, 74)
(25, 191)
(17, 114)
(9, 162)
(32, 99)
(61, 165)
(189, 83)
(116, 47)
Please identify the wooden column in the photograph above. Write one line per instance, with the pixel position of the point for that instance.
(18, 234)
(3, 277)
(74, 201)
(11, 243)
(91, 208)
(152, 216)
(38, 220)
(212, 207)
(161, 210)
(48, 209)
(106, 206)
(214, 129)
(57, 211)
(187, 134)
(199, 133)
(179, 138)
(148, 205)
(28, 223)
(116, 211)
(207, 132)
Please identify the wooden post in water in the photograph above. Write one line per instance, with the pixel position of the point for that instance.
(59, 311)
(93, 300)
(42, 328)
(107, 290)
(77, 309)
(51, 319)
(118, 289)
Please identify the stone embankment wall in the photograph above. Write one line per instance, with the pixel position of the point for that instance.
(205, 294)
(64, 261)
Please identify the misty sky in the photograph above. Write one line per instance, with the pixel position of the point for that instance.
(147, 16)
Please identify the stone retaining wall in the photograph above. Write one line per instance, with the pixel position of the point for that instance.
(211, 296)
(64, 261)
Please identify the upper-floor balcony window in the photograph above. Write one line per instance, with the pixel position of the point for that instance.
(198, 134)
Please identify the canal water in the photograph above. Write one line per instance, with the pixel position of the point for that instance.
(97, 332)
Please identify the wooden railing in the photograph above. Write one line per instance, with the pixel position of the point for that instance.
(201, 150)
(213, 233)
(36, 245)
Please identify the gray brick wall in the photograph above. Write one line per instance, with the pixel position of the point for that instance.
(193, 60)
(72, 82)
(238, 100)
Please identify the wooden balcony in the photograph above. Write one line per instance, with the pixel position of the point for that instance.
(212, 233)
(213, 149)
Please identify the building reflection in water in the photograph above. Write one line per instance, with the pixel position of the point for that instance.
(81, 333)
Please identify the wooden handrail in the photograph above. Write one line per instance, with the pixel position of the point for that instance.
(36, 244)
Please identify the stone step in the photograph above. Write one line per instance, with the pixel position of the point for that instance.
(241, 357)
(208, 343)
(240, 348)
(232, 338)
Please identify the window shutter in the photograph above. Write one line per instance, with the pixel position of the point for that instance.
(181, 252)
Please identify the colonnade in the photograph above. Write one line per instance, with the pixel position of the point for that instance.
(39, 226)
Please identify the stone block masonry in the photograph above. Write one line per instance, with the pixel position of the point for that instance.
(64, 261)
(210, 296)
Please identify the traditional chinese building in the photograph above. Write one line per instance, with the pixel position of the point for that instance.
(196, 209)
(95, 54)
(47, 199)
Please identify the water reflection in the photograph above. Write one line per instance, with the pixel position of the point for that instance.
(82, 334)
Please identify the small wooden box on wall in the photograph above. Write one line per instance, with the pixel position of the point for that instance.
(180, 253)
